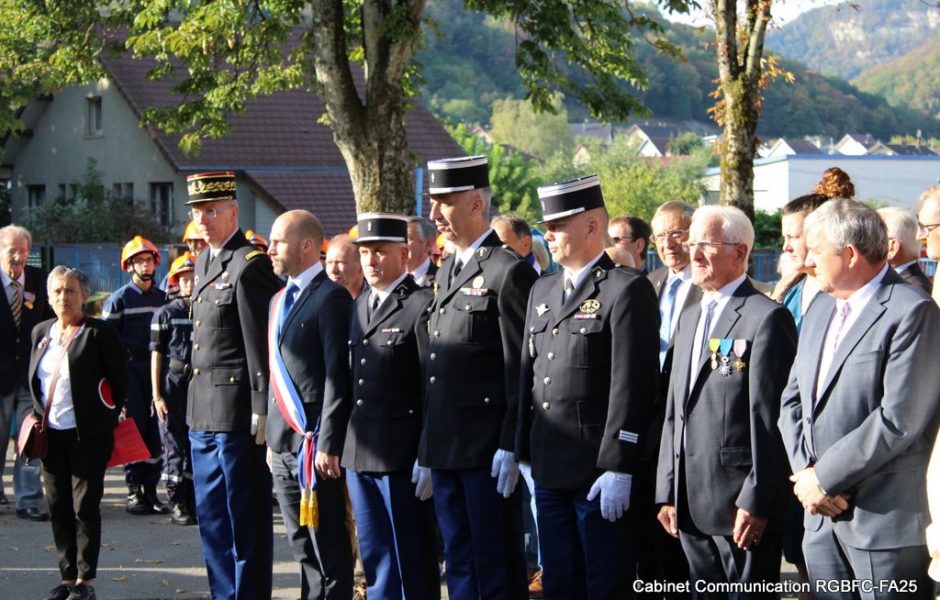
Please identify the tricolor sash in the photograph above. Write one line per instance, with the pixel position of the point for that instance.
(291, 407)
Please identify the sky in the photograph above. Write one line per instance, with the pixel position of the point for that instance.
(783, 11)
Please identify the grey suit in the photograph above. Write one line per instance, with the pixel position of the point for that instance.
(915, 276)
(720, 448)
(869, 434)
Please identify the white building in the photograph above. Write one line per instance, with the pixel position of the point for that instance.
(886, 180)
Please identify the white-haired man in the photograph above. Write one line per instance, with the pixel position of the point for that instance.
(903, 246)
(722, 470)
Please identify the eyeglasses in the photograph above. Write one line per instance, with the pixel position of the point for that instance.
(675, 235)
(143, 259)
(617, 240)
(928, 229)
(707, 247)
(212, 213)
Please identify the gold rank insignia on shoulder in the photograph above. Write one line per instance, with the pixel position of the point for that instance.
(253, 254)
(590, 306)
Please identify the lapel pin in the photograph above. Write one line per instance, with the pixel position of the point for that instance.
(590, 306)
(541, 309)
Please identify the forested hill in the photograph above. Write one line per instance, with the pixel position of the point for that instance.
(912, 80)
(468, 62)
(846, 39)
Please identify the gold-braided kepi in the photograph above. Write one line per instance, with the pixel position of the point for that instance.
(211, 187)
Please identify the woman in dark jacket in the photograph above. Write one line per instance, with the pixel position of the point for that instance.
(81, 363)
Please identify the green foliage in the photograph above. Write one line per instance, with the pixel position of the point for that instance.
(515, 123)
(94, 216)
(912, 80)
(513, 177)
(767, 233)
(685, 144)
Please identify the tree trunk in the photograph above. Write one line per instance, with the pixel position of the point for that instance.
(739, 72)
(370, 134)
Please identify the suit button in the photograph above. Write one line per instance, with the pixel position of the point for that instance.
(216, 301)
(555, 331)
(231, 380)
(411, 411)
(486, 401)
(547, 380)
(583, 330)
(199, 299)
(432, 379)
(361, 381)
(551, 356)
(362, 362)
(195, 346)
(531, 329)
(349, 342)
(433, 356)
(258, 374)
(437, 333)
(198, 323)
(365, 341)
(196, 371)
(359, 402)
(442, 310)
(546, 406)
(388, 343)
(467, 307)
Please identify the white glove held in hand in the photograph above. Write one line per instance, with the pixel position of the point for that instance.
(258, 425)
(506, 471)
(421, 477)
(614, 489)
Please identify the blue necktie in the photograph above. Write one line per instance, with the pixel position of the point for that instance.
(292, 289)
(665, 316)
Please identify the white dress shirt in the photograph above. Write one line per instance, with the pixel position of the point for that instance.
(61, 415)
(421, 272)
(383, 294)
(721, 298)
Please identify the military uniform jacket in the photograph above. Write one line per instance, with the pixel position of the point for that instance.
(15, 348)
(384, 353)
(589, 375)
(475, 342)
(171, 334)
(724, 427)
(313, 344)
(230, 313)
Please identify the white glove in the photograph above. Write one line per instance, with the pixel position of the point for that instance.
(614, 489)
(421, 477)
(506, 471)
(258, 425)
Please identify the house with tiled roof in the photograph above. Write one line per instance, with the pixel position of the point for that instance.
(788, 146)
(284, 159)
(882, 149)
(855, 144)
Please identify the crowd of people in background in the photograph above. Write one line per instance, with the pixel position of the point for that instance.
(677, 431)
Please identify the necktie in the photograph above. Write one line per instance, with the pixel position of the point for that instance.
(16, 306)
(292, 289)
(832, 343)
(458, 265)
(703, 345)
(666, 313)
(568, 288)
(374, 306)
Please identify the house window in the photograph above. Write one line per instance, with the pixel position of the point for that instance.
(62, 197)
(36, 196)
(94, 116)
(123, 190)
(161, 202)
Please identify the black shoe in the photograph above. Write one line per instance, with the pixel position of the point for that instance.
(82, 591)
(60, 592)
(137, 503)
(32, 513)
(180, 516)
(150, 496)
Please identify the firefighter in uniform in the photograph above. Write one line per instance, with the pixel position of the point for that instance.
(194, 242)
(257, 240)
(130, 309)
(227, 403)
(390, 493)
(471, 388)
(590, 369)
(171, 344)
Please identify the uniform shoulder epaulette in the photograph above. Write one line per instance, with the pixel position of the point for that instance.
(253, 254)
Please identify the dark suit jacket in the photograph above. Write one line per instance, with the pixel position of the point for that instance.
(313, 344)
(385, 425)
(913, 275)
(230, 346)
(724, 428)
(472, 378)
(430, 277)
(96, 355)
(15, 349)
(589, 375)
(870, 432)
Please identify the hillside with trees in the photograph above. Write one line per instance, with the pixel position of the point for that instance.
(468, 65)
(912, 80)
(845, 39)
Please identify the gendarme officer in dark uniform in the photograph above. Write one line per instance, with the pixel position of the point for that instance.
(589, 373)
(390, 493)
(228, 393)
(472, 388)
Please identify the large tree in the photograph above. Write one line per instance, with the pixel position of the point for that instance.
(222, 53)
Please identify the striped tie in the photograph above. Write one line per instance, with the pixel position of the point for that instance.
(16, 306)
